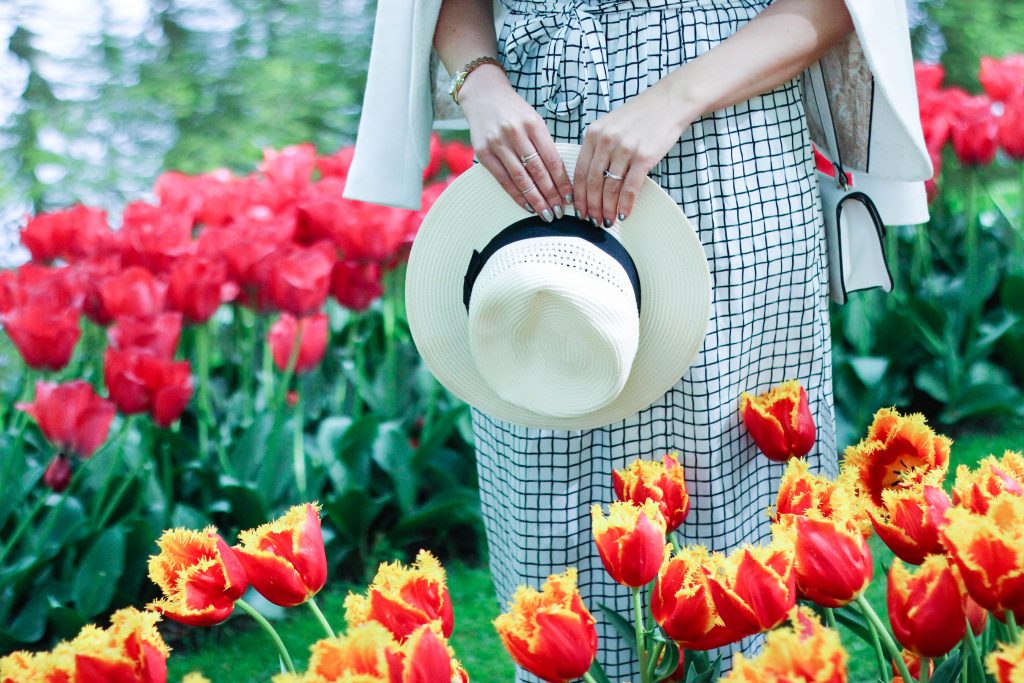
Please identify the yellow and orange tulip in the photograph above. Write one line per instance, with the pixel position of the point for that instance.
(897, 451)
(1006, 663)
(920, 602)
(989, 552)
(806, 652)
(662, 482)
(200, 577)
(129, 650)
(974, 489)
(754, 587)
(681, 602)
(550, 633)
(780, 421)
(630, 541)
(285, 559)
(404, 598)
(911, 518)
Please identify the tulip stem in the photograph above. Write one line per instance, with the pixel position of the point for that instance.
(923, 678)
(261, 620)
(972, 648)
(883, 634)
(298, 446)
(655, 657)
(320, 617)
(641, 646)
(588, 678)
(390, 359)
(1011, 624)
(830, 618)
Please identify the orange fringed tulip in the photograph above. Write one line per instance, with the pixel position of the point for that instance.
(911, 517)
(681, 602)
(631, 541)
(800, 491)
(285, 559)
(920, 603)
(807, 652)
(1006, 663)
(550, 633)
(404, 598)
(754, 587)
(832, 560)
(780, 421)
(974, 489)
(989, 551)
(913, 662)
(897, 451)
(200, 577)
(424, 658)
(130, 650)
(663, 482)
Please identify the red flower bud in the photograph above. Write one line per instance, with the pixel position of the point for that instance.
(311, 346)
(58, 473)
(300, 278)
(133, 292)
(197, 286)
(44, 336)
(141, 382)
(974, 131)
(158, 335)
(920, 602)
(630, 541)
(71, 234)
(71, 416)
(780, 421)
(356, 285)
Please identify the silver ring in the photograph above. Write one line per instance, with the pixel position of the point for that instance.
(526, 157)
(528, 189)
(609, 174)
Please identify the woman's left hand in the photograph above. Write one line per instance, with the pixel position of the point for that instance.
(627, 141)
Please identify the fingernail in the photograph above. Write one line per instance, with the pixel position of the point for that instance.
(529, 207)
(558, 211)
(546, 215)
(622, 216)
(607, 223)
(568, 198)
(594, 221)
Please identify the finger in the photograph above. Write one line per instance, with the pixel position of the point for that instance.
(595, 185)
(524, 182)
(537, 169)
(544, 144)
(500, 174)
(619, 165)
(579, 176)
(630, 190)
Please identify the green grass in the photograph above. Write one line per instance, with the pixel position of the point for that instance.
(239, 653)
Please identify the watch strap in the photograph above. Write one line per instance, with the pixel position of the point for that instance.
(460, 75)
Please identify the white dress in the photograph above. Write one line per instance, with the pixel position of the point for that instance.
(745, 176)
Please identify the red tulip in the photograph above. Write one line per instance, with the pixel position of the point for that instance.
(44, 336)
(662, 482)
(754, 587)
(134, 292)
(71, 234)
(57, 475)
(197, 286)
(368, 232)
(807, 652)
(1002, 78)
(681, 602)
(780, 421)
(199, 575)
(975, 131)
(93, 272)
(1011, 127)
(434, 162)
(142, 382)
(911, 518)
(180, 194)
(153, 237)
(356, 285)
(158, 335)
(423, 658)
(630, 541)
(920, 603)
(71, 416)
(285, 559)
(336, 165)
(458, 157)
(311, 346)
(320, 208)
(928, 77)
(832, 560)
(301, 278)
(290, 169)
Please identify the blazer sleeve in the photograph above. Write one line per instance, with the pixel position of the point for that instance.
(861, 97)
(393, 139)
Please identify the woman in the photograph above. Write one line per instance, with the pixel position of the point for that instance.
(701, 95)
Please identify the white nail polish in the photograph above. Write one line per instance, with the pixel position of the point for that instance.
(558, 211)
(546, 215)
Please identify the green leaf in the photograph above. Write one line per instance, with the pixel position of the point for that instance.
(669, 661)
(30, 623)
(870, 370)
(621, 626)
(854, 622)
(248, 508)
(391, 452)
(96, 577)
(979, 399)
(353, 511)
(440, 513)
(598, 673)
(948, 671)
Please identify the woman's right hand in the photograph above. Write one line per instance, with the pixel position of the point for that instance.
(503, 128)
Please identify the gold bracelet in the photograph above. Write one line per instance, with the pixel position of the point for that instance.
(460, 75)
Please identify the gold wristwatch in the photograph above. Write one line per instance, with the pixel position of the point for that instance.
(460, 76)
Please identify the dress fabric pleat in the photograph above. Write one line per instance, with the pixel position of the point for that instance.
(745, 177)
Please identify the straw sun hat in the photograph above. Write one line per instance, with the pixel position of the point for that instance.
(557, 325)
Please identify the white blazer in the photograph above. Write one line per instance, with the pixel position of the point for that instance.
(860, 99)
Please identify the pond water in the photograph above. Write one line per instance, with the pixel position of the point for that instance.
(97, 97)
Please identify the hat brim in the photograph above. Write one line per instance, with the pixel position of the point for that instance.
(674, 280)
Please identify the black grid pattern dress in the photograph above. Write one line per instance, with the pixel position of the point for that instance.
(745, 177)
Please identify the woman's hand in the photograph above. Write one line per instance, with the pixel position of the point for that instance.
(503, 129)
(627, 142)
